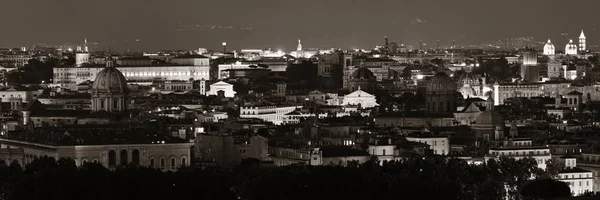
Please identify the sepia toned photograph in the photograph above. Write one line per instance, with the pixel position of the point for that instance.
(299, 100)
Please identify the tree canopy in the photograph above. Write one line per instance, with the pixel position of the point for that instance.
(545, 189)
(429, 178)
(34, 72)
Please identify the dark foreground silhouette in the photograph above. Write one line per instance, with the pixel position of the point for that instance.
(431, 178)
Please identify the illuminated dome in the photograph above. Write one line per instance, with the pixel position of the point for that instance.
(110, 79)
(549, 48)
(441, 83)
(571, 48)
(363, 74)
(468, 79)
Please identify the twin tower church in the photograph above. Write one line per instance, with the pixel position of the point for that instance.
(570, 49)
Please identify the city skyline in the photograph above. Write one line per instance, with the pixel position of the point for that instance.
(187, 24)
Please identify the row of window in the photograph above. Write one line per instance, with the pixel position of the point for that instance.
(173, 163)
(115, 104)
(135, 160)
(123, 155)
(510, 153)
(165, 73)
(580, 176)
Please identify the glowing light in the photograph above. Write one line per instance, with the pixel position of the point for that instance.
(224, 43)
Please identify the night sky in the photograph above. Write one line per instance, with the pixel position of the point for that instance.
(189, 24)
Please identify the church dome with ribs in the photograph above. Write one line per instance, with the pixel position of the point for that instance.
(441, 83)
(110, 79)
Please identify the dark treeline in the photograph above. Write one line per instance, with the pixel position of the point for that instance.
(431, 178)
(34, 72)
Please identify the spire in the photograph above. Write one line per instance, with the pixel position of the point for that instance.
(581, 35)
(549, 42)
(85, 45)
(299, 48)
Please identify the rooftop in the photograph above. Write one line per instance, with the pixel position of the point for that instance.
(573, 170)
(191, 56)
(417, 115)
(89, 135)
(118, 66)
(518, 148)
(342, 152)
(66, 96)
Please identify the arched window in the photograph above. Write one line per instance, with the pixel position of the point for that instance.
(183, 161)
(123, 156)
(151, 162)
(173, 166)
(162, 163)
(112, 158)
(135, 157)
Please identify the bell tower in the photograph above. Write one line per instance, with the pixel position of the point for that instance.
(582, 42)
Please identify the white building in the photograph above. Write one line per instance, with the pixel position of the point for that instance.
(580, 181)
(303, 53)
(440, 145)
(359, 97)
(71, 76)
(212, 117)
(221, 86)
(383, 152)
(540, 153)
(17, 59)
(221, 73)
(12, 93)
(164, 156)
(571, 48)
(274, 114)
(549, 49)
